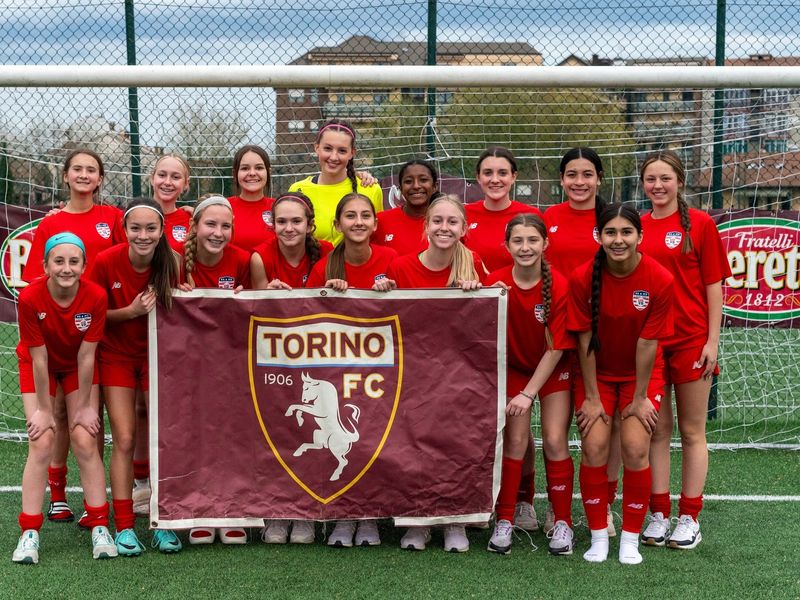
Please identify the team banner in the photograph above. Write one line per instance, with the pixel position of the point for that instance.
(317, 405)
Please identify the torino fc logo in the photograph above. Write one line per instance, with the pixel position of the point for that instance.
(339, 378)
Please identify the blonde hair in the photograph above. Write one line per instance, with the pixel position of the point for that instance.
(190, 247)
(463, 265)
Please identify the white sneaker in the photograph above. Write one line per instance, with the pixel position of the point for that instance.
(525, 517)
(302, 532)
(276, 531)
(367, 533)
(686, 534)
(561, 539)
(416, 538)
(455, 538)
(232, 535)
(501, 539)
(549, 520)
(103, 545)
(141, 499)
(27, 551)
(657, 531)
(342, 534)
(202, 535)
(612, 531)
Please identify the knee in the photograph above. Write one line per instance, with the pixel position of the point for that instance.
(693, 436)
(594, 454)
(124, 442)
(663, 429)
(84, 445)
(41, 450)
(554, 444)
(516, 443)
(635, 456)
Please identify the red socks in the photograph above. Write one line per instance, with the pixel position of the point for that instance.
(57, 480)
(27, 521)
(560, 477)
(660, 503)
(690, 506)
(509, 484)
(526, 488)
(612, 491)
(141, 469)
(594, 493)
(123, 514)
(95, 515)
(635, 494)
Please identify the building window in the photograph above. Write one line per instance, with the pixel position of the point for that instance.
(775, 146)
(734, 124)
(295, 126)
(297, 96)
(313, 125)
(313, 96)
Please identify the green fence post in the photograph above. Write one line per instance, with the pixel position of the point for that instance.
(430, 141)
(133, 104)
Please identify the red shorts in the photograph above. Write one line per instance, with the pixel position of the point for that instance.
(616, 395)
(559, 380)
(68, 380)
(681, 365)
(121, 372)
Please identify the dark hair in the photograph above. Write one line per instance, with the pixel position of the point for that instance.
(611, 211)
(434, 176)
(594, 158)
(87, 152)
(496, 152)
(237, 162)
(534, 220)
(163, 267)
(334, 269)
(343, 127)
(676, 164)
(311, 243)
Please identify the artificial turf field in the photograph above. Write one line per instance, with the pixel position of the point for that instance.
(751, 549)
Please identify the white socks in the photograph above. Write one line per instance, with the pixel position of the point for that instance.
(628, 548)
(598, 551)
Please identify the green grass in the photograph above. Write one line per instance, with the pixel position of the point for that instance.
(750, 551)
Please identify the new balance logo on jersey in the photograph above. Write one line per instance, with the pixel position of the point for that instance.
(641, 299)
(473, 225)
(635, 506)
(103, 230)
(41, 315)
(592, 501)
(389, 237)
(673, 239)
(116, 285)
(82, 321)
(226, 282)
(658, 398)
(563, 376)
(554, 228)
(559, 488)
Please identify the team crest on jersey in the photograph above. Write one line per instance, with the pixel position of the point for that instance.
(83, 321)
(226, 282)
(267, 217)
(595, 235)
(380, 276)
(103, 230)
(538, 312)
(179, 233)
(673, 239)
(641, 299)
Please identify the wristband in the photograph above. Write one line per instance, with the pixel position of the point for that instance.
(530, 397)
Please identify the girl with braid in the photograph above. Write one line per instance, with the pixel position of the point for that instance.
(687, 243)
(252, 209)
(336, 150)
(285, 261)
(620, 307)
(537, 339)
(136, 276)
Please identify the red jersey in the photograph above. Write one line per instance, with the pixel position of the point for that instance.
(62, 330)
(693, 271)
(638, 305)
(176, 228)
(486, 233)
(99, 228)
(572, 237)
(401, 233)
(525, 330)
(361, 276)
(231, 271)
(409, 272)
(252, 222)
(277, 267)
(115, 274)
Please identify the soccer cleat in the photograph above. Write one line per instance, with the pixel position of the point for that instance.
(561, 543)
(501, 539)
(686, 534)
(60, 512)
(416, 538)
(525, 517)
(166, 541)
(127, 543)
(27, 551)
(103, 545)
(342, 534)
(612, 531)
(83, 522)
(302, 532)
(141, 499)
(367, 533)
(232, 535)
(549, 520)
(455, 538)
(657, 531)
(202, 535)
(276, 531)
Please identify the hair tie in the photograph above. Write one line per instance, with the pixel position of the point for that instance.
(65, 237)
(135, 206)
(212, 201)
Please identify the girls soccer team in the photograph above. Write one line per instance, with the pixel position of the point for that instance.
(590, 322)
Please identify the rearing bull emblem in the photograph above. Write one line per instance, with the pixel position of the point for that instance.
(321, 401)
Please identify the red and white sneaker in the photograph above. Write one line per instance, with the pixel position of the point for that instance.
(202, 535)
(60, 512)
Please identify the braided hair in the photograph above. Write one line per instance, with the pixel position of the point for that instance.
(312, 246)
(346, 128)
(190, 247)
(674, 162)
(610, 212)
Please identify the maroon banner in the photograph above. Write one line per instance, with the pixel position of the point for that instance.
(317, 405)
(17, 226)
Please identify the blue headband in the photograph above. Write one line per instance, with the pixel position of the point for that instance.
(63, 238)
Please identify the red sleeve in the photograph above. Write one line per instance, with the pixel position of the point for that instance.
(98, 273)
(317, 276)
(714, 265)
(562, 339)
(659, 324)
(579, 310)
(480, 268)
(29, 332)
(118, 229)
(98, 325)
